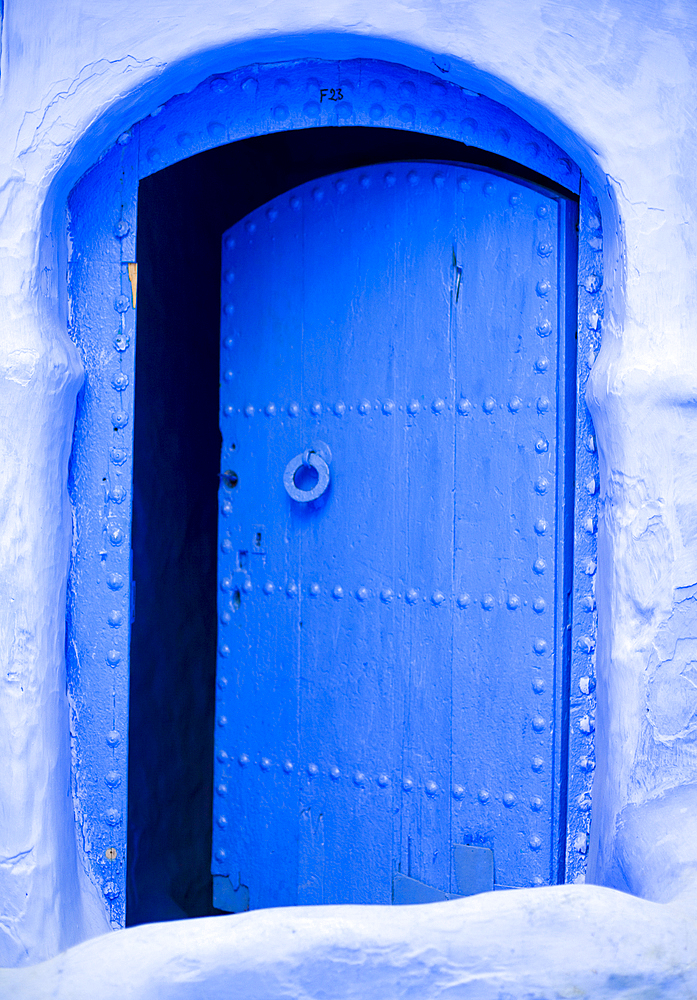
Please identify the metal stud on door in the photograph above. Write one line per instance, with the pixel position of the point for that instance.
(391, 544)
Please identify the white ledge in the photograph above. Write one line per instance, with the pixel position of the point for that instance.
(546, 944)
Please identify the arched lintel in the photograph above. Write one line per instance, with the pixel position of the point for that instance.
(159, 86)
(264, 98)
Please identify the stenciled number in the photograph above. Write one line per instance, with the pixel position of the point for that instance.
(331, 94)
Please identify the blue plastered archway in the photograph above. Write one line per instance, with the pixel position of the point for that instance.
(256, 101)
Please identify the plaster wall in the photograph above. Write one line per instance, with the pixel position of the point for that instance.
(611, 82)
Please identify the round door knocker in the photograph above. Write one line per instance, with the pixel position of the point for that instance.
(317, 457)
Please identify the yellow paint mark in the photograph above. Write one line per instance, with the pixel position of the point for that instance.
(133, 278)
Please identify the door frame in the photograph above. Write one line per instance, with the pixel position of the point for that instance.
(225, 108)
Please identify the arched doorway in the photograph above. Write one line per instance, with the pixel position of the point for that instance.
(103, 289)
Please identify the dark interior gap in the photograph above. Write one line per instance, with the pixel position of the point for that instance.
(182, 213)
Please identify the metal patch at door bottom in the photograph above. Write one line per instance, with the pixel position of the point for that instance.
(228, 897)
(406, 891)
(474, 871)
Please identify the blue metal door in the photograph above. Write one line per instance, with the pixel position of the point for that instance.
(393, 540)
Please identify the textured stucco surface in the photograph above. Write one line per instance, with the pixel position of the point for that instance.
(613, 82)
(580, 942)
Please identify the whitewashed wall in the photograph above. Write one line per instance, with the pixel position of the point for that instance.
(612, 81)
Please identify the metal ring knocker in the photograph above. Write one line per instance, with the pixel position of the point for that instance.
(315, 457)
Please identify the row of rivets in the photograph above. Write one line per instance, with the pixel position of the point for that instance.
(377, 89)
(383, 780)
(545, 250)
(588, 486)
(376, 92)
(411, 595)
(388, 407)
(389, 179)
(115, 581)
(112, 816)
(117, 536)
